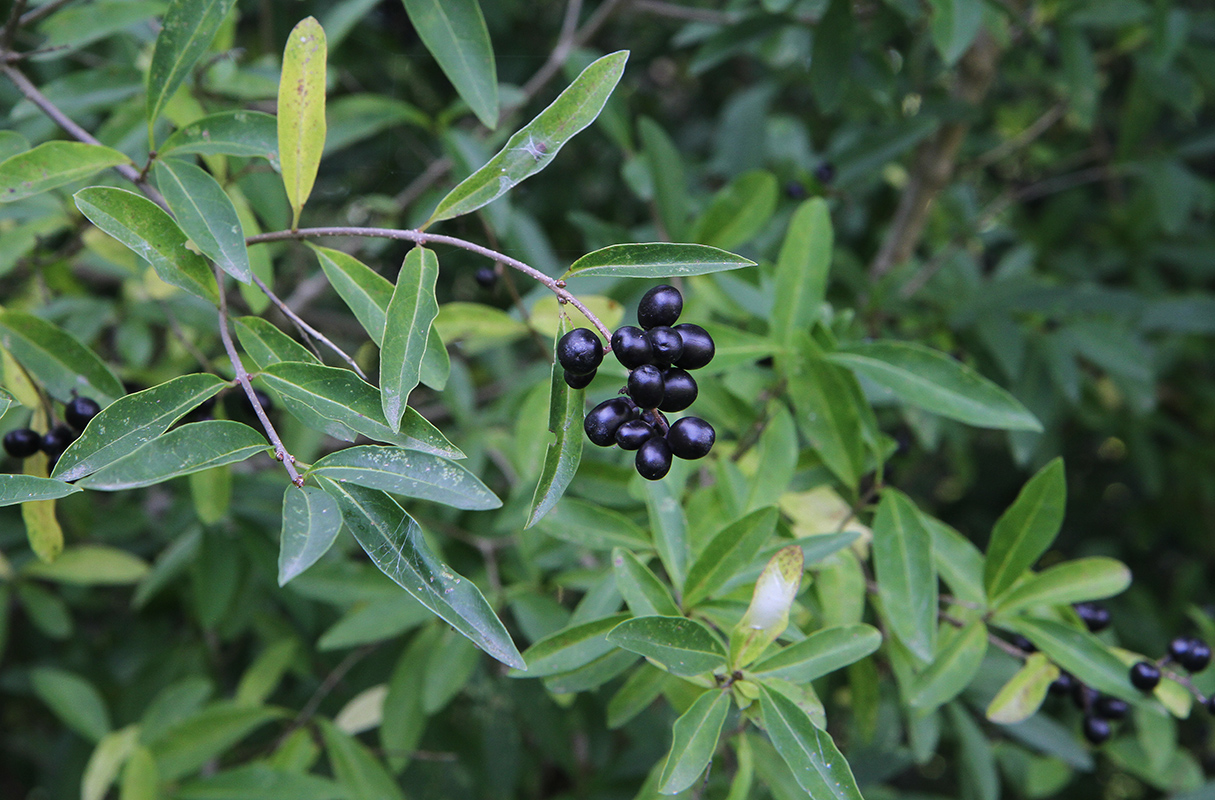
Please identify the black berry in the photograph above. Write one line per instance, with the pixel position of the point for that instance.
(681, 390)
(486, 277)
(56, 440)
(1196, 658)
(1095, 617)
(1064, 684)
(646, 386)
(1145, 676)
(22, 443)
(633, 433)
(580, 351)
(659, 306)
(80, 411)
(698, 347)
(794, 190)
(1108, 707)
(603, 420)
(825, 172)
(631, 347)
(1083, 696)
(1096, 730)
(691, 438)
(654, 459)
(654, 418)
(666, 344)
(578, 381)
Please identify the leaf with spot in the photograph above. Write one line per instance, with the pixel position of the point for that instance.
(301, 112)
(455, 34)
(817, 764)
(185, 34)
(190, 448)
(53, 164)
(252, 134)
(409, 473)
(205, 214)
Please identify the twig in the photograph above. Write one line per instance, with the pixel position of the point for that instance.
(1038, 127)
(14, 22)
(686, 13)
(331, 681)
(304, 326)
(32, 16)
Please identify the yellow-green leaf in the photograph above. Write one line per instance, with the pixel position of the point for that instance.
(301, 112)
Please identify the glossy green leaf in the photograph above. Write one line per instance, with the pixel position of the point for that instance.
(636, 695)
(937, 383)
(311, 522)
(953, 668)
(455, 34)
(341, 404)
(260, 782)
(730, 550)
(15, 488)
(59, 361)
(74, 701)
(202, 736)
(955, 23)
(570, 648)
(533, 147)
(564, 453)
(801, 271)
(89, 565)
(1093, 578)
(684, 646)
(1023, 694)
(824, 398)
(365, 291)
(958, 561)
(1026, 528)
(738, 211)
(151, 233)
(205, 214)
(906, 575)
(643, 592)
(132, 421)
(1080, 653)
(186, 33)
(190, 448)
(820, 653)
(252, 134)
(301, 112)
(655, 260)
(267, 345)
(694, 741)
(669, 527)
(53, 164)
(410, 473)
(817, 764)
(354, 766)
(594, 527)
(406, 328)
(395, 544)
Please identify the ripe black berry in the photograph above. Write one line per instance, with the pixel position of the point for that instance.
(654, 459)
(1064, 684)
(603, 420)
(486, 277)
(691, 438)
(578, 381)
(80, 411)
(794, 190)
(1196, 658)
(666, 344)
(580, 351)
(1108, 707)
(22, 443)
(56, 440)
(631, 347)
(646, 386)
(698, 347)
(1096, 730)
(659, 306)
(681, 390)
(633, 433)
(1095, 617)
(1145, 676)
(825, 172)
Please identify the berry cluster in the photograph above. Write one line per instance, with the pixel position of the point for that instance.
(1190, 653)
(658, 356)
(24, 442)
(1099, 709)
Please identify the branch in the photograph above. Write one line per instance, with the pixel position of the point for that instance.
(304, 326)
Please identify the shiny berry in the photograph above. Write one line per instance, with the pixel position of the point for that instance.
(80, 411)
(602, 421)
(56, 440)
(1179, 647)
(646, 386)
(1096, 730)
(633, 433)
(1064, 684)
(1145, 676)
(654, 418)
(631, 347)
(485, 277)
(654, 459)
(22, 443)
(578, 381)
(1095, 617)
(698, 347)
(666, 344)
(1108, 707)
(659, 306)
(681, 390)
(691, 438)
(580, 351)
(1196, 658)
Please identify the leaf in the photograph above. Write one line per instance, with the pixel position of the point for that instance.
(301, 112)
(105, 762)
(569, 648)
(205, 214)
(375, 622)
(820, 653)
(58, 360)
(267, 345)
(260, 782)
(311, 522)
(636, 695)
(356, 769)
(952, 670)
(817, 764)
(906, 575)
(365, 291)
(455, 34)
(533, 147)
(477, 327)
(407, 324)
(655, 260)
(824, 397)
(410, 473)
(186, 33)
(252, 134)
(266, 671)
(937, 383)
(643, 592)
(977, 759)
(190, 448)
(394, 542)
(343, 405)
(74, 700)
(667, 175)
(140, 778)
(669, 528)
(449, 667)
(694, 741)
(1092, 578)
(730, 550)
(73, 28)
(152, 234)
(132, 421)
(16, 489)
(53, 164)
(1079, 653)
(1023, 695)
(684, 646)
(594, 527)
(404, 721)
(1025, 529)
(365, 711)
(958, 561)
(564, 453)
(768, 614)
(955, 24)
(801, 271)
(6, 399)
(90, 565)
(738, 210)
(204, 735)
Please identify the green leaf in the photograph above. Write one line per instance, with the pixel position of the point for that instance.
(937, 383)
(570, 648)
(1080, 653)
(16, 489)
(410, 473)
(190, 448)
(1092, 578)
(404, 721)
(643, 592)
(6, 400)
(58, 360)
(74, 700)
(1023, 695)
(1026, 528)
(667, 174)
(636, 695)
(205, 214)
(252, 134)
(738, 210)
(906, 575)
(394, 542)
(352, 118)
(132, 421)
(955, 24)
(817, 764)
(267, 345)
(301, 112)
(977, 759)
(436, 363)
(140, 777)
(152, 234)
(958, 561)
(73, 28)
(455, 34)
(824, 397)
(106, 761)
(655, 260)
(365, 291)
(260, 782)
(90, 565)
(186, 33)
(801, 271)
(730, 550)
(954, 667)
(202, 736)
(341, 404)
(592, 675)
(267, 670)
(533, 147)
(356, 769)
(684, 646)
(669, 527)
(311, 522)
(564, 453)
(767, 616)
(477, 327)
(375, 622)
(53, 164)
(594, 527)
(407, 325)
(694, 741)
(820, 653)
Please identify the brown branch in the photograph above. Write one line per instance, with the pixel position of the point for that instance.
(305, 327)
